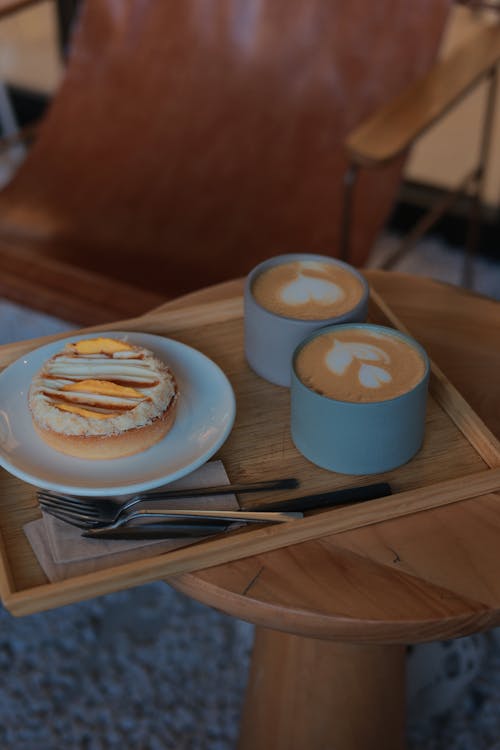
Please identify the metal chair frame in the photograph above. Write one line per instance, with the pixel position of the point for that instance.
(471, 187)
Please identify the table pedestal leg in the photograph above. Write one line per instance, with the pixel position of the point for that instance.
(309, 694)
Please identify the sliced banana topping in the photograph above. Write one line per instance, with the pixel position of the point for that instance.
(99, 373)
(99, 345)
(103, 387)
(87, 413)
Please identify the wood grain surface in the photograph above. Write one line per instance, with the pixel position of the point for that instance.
(261, 438)
(427, 576)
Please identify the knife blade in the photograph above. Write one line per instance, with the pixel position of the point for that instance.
(177, 517)
(170, 530)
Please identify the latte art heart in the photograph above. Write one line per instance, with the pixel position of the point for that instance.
(342, 355)
(373, 377)
(357, 364)
(309, 288)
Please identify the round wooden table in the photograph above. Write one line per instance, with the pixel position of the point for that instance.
(333, 615)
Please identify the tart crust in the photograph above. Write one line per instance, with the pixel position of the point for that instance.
(119, 445)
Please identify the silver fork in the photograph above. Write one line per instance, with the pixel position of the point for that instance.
(108, 509)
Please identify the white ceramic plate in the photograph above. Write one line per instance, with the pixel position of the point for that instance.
(205, 416)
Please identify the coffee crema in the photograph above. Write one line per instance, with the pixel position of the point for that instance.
(360, 364)
(308, 289)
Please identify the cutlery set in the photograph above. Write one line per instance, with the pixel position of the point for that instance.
(110, 518)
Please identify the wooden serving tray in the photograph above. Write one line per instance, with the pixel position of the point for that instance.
(460, 459)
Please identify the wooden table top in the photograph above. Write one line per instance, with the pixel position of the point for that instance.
(432, 575)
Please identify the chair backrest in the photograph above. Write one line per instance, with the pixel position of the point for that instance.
(192, 138)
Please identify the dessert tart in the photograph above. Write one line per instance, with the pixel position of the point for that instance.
(103, 398)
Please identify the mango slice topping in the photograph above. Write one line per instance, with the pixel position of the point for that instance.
(87, 413)
(103, 388)
(100, 345)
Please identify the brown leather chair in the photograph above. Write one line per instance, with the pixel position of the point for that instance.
(190, 140)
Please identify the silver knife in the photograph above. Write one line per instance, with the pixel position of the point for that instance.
(175, 518)
(170, 530)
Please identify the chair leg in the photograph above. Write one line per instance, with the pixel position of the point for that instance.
(427, 222)
(12, 149)
(349, 184)
(472, 240)
(474, 224)
(8, 123)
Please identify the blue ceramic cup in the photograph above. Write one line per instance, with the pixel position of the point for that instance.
(352, 437)
(271, 338)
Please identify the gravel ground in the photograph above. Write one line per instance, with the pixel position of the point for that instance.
(150, 669)
(146, 669)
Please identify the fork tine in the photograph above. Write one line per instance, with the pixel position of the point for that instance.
(59, 495)
(71, 519)
(66, 503)
(70, 515)
(83, 523)
(86, 508)
(87, 512)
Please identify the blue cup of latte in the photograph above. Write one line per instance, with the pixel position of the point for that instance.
(287, 297)
(358, 398)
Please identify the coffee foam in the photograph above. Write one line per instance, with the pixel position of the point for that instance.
(360, 365)
(308, 290)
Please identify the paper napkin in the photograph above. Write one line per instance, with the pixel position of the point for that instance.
(63, 553)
